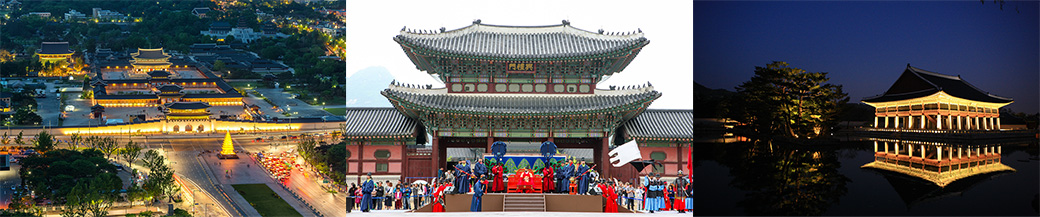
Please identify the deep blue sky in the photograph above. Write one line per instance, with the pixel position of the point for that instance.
(866, 45)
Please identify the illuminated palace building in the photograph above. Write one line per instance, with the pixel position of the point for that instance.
(54, 52)
(150, 80)
(926, 101)
(522, 85)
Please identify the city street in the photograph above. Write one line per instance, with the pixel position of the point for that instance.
(8, 179)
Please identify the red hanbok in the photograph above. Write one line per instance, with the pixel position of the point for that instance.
(547, 180)
(667, 200)
(437, 203)
(526, 181)
(497, 186)
(611, 197)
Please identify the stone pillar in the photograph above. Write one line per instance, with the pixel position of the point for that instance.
(978, 125)
(960, 125)
(922, 151)
(923, 122)
(999, 150)
(938, 153)
(875, 146)
(909, 149)
(949, 121)
(875, 121)
(896, 145)
(960, 152)
(897, 122)
(998, 123)
(886, 146)
(910, 122)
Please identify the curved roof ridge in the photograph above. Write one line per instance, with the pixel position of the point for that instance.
(987, 93)
(936, 74)
(900, 94)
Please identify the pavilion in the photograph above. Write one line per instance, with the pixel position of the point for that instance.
(54, 52)
(924, 100)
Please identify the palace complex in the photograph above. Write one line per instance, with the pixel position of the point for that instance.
(522, 85)
(150, 80)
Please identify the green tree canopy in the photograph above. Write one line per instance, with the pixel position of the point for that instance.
(788, 101)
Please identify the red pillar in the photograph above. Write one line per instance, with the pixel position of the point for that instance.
(604, 158)
(491, 140)
(436, 155)
(360, 162)
(404, 162)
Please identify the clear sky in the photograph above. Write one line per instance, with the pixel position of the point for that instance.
(666, 62)
(866, 45)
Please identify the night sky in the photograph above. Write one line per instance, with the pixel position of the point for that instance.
(865, 46)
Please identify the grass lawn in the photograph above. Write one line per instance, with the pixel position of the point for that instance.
(337, 111)
(264, 200)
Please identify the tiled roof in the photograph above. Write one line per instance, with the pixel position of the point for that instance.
(660, 123)
(553, 41)
(55, 48)
(156, 53)
(187, 105)
(378, 122)
(170, 88)
(521, 104)
(158, 73)
(915, 82)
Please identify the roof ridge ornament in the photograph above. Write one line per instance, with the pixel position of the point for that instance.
(566, 23)
(477, 21)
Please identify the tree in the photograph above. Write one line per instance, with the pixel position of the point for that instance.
(789, 101)
(219, 66)
(160, 183)
(44, 142)
(74, 141)
(18, 140)
(130, 152)
(108, 146)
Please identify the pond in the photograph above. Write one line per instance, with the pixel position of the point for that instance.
(765, 178)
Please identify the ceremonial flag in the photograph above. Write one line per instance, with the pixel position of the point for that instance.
(625, 153)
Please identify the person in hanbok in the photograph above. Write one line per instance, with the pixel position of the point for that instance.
(547, 179)
(564, 175)
(438, 197)
(526, 181)
(498, 185)
(610, 195)
(478, 193)
(583, 178)
(366, 194)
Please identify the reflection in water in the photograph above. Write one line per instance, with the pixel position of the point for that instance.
(935, 170)
(930, 163)
(762, 178)
(783, 180)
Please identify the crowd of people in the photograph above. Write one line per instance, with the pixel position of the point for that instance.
(650, 193)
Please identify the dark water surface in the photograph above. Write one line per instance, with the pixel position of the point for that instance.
(760, 178)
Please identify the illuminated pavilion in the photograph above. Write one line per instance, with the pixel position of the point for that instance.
(146, 60)
(924, 100)
(54, 52)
